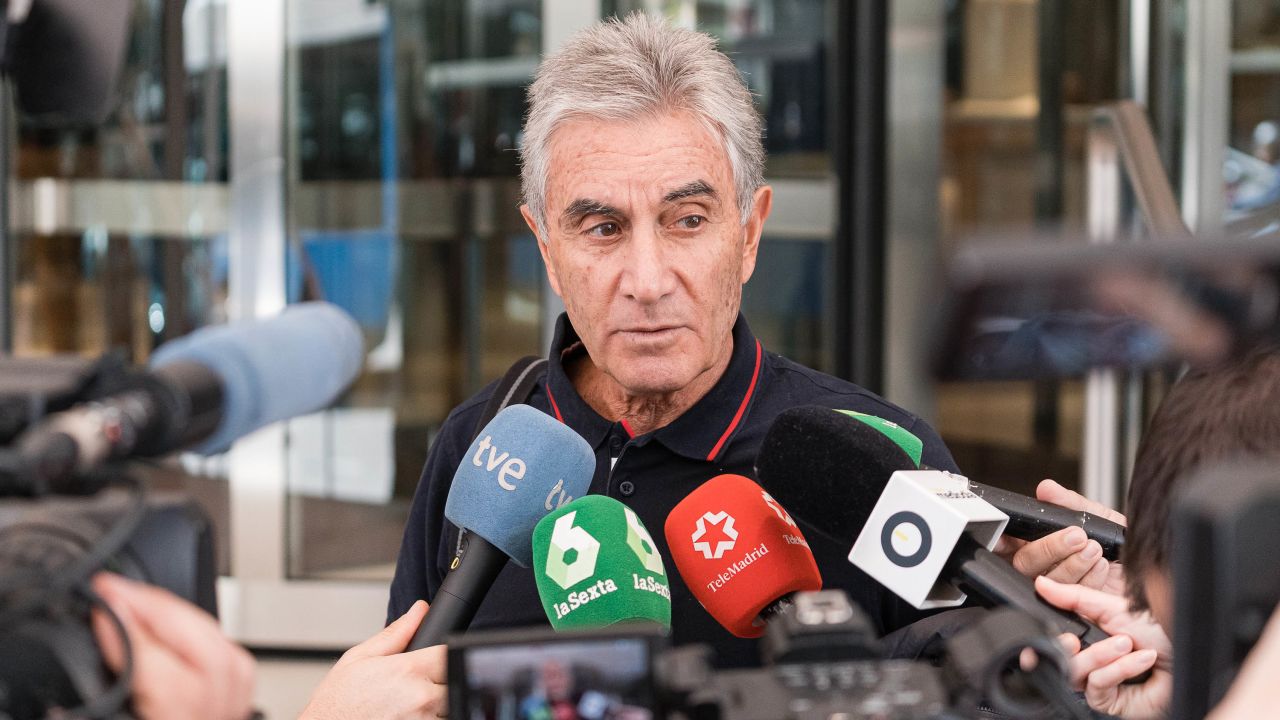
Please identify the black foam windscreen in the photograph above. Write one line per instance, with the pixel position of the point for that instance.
(65, 60)
(827, 468)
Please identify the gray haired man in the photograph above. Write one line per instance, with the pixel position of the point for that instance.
(643, 182)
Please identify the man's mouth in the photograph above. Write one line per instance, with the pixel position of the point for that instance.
(649, 332)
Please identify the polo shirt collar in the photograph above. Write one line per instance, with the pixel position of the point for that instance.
(701, 433)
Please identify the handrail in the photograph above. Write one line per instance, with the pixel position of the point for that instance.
(1124, 123)
(1120, 145)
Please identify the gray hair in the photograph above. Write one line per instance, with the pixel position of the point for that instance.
(635, 68)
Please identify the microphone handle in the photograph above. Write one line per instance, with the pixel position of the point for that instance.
(994, 580)
(1030, 519)
(474, 569)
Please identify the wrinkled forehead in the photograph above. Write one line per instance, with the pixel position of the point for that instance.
(634, 160)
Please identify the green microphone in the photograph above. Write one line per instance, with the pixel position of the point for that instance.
(596, 565)
(902, 437)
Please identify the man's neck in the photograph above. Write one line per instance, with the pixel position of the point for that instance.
(643, 413)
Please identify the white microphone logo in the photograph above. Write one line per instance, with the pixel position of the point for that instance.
(725, 522)
(783, 515)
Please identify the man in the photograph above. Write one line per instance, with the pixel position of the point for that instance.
(1210, 415)
(642, 172)
(642, 177)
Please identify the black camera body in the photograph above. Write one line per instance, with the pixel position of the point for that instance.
(51, 659)
(820, 661)
(49, 547)
(1226, 584)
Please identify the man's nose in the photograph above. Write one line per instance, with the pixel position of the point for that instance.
(648, 275)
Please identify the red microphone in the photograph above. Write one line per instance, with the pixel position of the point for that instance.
(739, 552)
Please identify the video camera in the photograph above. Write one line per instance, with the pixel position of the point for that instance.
(70, 427)
(51, 546)
(820, 660)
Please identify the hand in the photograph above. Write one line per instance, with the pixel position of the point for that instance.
(1067, 555)
(377, 679)
(183, 666)
(1138, 644)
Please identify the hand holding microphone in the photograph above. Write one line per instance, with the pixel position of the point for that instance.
(859, 494)
(1070, 555)
(831, 446)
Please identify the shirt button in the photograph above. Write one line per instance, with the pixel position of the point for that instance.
(615, 443)
(627, 488)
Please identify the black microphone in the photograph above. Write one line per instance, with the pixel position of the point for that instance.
(1030, 519)
(202, 392)
(860, 447)
(830, 470)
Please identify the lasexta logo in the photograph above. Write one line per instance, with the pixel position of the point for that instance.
(639, 540)
(571, 557)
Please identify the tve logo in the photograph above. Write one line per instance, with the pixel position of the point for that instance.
(723, 521)
(508, 467)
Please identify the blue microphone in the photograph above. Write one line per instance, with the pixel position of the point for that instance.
(270, 370)
(203, 391)
(521, 466)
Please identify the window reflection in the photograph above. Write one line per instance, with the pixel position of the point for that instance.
(404, 210)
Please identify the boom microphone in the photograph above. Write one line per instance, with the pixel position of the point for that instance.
(596, 565)
(872, 449)
(929, 534)
(739, 552)
(204, 391)
(521, 466)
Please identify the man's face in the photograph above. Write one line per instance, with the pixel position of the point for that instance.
(646, 248)
(556, 681)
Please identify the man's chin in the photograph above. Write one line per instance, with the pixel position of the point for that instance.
(654, 379)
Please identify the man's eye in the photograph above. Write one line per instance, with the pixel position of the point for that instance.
(691, 222)
(604, 230)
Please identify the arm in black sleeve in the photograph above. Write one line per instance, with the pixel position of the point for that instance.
(934, 453)
(418, 570)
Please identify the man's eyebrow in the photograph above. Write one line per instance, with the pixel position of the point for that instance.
(582, 207)
(693, 189)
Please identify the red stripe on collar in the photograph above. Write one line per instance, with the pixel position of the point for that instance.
(554, 406)
(630, 433)
(742, 408)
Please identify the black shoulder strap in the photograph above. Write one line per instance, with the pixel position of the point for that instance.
(516, 387)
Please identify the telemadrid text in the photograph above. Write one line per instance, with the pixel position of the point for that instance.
(752, 555)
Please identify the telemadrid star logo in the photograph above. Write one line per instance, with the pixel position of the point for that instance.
(722, 546)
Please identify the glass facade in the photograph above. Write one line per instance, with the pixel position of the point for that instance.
(119, 229)
(1252, 162)
(1022, 79)
(403, 199)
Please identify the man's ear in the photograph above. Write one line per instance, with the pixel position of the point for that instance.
(754, 229)
(532, 222)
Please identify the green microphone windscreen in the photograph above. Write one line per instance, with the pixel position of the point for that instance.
(596, 564)
(901, 436)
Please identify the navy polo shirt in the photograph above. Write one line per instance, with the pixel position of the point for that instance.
(721, 433)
